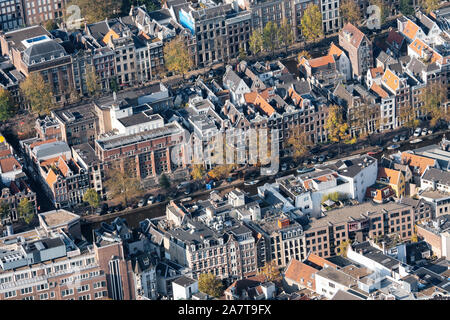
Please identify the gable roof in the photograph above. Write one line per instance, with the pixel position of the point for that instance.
(418, 46)
(395, 37)
(375, 72)
(437, 176)
(417, 161)
(356, 36)
(51, 178)
(392, 175)
(9, 164)
(379, 91)
(410, 29)
(335, 50)
(301, 273)
(321, 61)
(391, 80)
(315, 260)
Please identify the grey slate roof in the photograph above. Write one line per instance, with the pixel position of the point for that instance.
(437, 176)
(184, 281)
(49, 149)
(47, 50)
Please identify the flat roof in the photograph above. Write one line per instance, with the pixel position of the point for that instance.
(58, 217)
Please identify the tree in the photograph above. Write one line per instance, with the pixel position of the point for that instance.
(242, 53)
(429, 5)
(350, 12)
(270, 271)
(92, 197)
(220, 172)
(92, 82)
(164, 181)
(25, 210)
(5, 210)
(270, 37)
(343, 246)
(299, 143)
(210, 284)
(286, 34)
(256, 42)
(337, 128)
(198, 172)
(433, 97)
(406, 7)
(383, 10)
(122, 184)
(407, 116)
(113, 86)
(37, 93)
(177, 57)
(303, 54)
(7, 106)
(97, 10)
(311, 23)
(366, 118)
(51, 25)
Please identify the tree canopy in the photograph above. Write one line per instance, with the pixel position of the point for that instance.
(270, 271)
(7, 106)
(433, 97)
(122, 184)
(256, 42)
(198, 171)
(176, 56)
(164, 181)
(270, 37)
(286, 34)
(299, 143)
(25, 210)
(97, 10)
(92, 197)
(337, 127)
(37, 93)
(350, 11)
(311, 23)
(210, 284)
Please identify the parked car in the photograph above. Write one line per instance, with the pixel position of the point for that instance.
(393, 147)
(402, 137)
(141, 203)
(417, 132)
(150, 200)
(430, 131)
(396, 138)
(321, 158)
(284, 167)
(424, 131)
(416, 141)
(99, 211)
(305, 170)
(251, 183)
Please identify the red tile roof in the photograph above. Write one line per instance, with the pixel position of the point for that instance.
(321, 61)
(392, 175)
(356, 35)
(420, 162)
(378, 90)
(9, 164)
(301, 273)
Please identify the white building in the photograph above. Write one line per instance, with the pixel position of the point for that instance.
(183, 288)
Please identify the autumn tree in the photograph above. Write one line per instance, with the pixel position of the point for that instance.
(5, 210)
(407, 116)
(51, 25)
(25, 210)
(7, 106)
(208, 283)
(37, 93)
(350, 12)
(343, 247)
(311, 23)
(242, 53)
(122, 183)
(198, 172)
(433, 97)
(92, 197)
(429, 5)
(286, 34)
(92, 81)
(337, 128)
(164, 181)
(221, 171)
(95, 10)
(366, 118)
(299, 143)
(270, 37)
(176, 56)
(303, 54)
(270, 271)
(256, 42)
